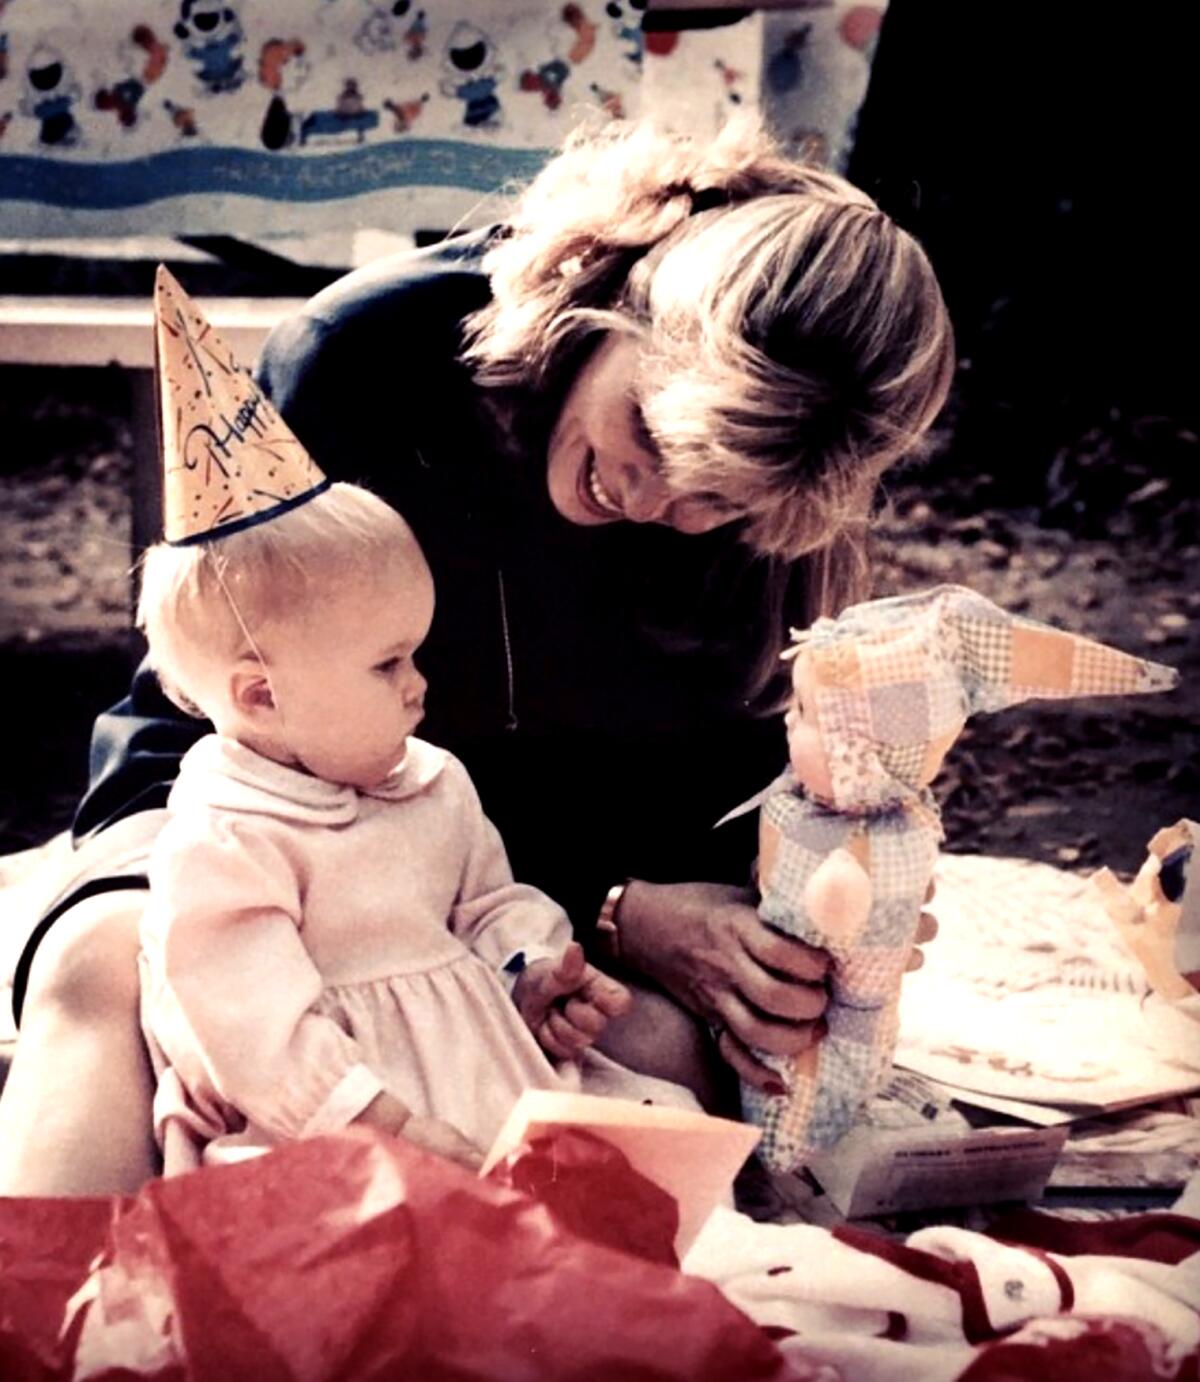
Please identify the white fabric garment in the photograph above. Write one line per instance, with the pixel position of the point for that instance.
(852, 1305)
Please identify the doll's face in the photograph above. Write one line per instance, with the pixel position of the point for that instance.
(805, 748)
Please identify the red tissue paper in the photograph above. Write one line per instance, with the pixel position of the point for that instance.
(359, 1258)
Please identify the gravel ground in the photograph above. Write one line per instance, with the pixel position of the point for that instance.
(1102, 540)
(65, 646)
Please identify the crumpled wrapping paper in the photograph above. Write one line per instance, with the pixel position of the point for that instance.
(359, 1257)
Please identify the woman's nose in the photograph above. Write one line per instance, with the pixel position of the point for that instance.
(645, 497)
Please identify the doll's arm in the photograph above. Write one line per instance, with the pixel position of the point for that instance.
(838, 900)
(229, 986)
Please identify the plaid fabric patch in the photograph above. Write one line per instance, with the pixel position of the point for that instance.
(1100, 671)
(872, 976)
(854, 1024)
(900, 712)
(834, 1109)
(947, 704)
(903, 852)
(985, 662)
(905, 763)
(897, 656)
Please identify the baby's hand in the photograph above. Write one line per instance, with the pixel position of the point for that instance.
(567, 1003)
(392, 1115)
(442, 1139)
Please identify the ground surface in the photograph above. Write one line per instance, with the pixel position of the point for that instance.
(1102, 539)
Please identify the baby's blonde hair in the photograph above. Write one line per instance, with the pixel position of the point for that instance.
(795, 339)
(204, 605)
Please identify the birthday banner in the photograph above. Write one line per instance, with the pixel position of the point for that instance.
(260, 117)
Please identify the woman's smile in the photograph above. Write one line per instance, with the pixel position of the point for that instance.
(594, 493)
(598, 467)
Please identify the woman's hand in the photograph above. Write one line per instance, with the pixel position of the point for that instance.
(704, 944)
(927, 929)
(567, 1003)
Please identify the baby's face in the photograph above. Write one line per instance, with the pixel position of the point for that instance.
(344, 678)
(805, 748)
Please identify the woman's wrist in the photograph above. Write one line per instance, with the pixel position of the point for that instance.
(621, 925)
(607, 925)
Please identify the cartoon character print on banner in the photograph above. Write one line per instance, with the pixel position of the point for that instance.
(213, 42)
(206, 113)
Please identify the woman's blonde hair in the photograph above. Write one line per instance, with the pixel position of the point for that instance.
(204, 605)
(795, 340)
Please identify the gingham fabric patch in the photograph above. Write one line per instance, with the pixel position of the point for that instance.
(893, 659)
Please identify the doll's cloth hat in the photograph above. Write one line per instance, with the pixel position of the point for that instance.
(229, 460)
(895, 680)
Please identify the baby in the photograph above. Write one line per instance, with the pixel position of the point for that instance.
(333, 934)
(849, 836)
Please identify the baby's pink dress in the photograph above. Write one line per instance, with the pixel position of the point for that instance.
(307, 946)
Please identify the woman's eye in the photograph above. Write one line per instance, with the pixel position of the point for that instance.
(711, 506)
(715, 503)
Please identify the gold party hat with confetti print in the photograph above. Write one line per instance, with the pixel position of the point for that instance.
(229, 460)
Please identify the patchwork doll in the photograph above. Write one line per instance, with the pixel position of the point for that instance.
(849, 835)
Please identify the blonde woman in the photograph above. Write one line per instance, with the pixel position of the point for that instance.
(636, 431)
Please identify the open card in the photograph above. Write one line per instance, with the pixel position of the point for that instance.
(691, 1155)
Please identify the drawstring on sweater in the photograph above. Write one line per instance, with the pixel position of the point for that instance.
(511, 722)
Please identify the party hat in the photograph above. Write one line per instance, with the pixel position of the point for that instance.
(229, 459)
(894, 681)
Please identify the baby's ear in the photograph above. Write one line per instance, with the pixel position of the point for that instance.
(250, 691)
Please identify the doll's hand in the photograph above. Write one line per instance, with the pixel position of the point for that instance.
(704, 944)
(567, 1003)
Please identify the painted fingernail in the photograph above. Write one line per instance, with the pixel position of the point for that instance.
(775, 1088)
